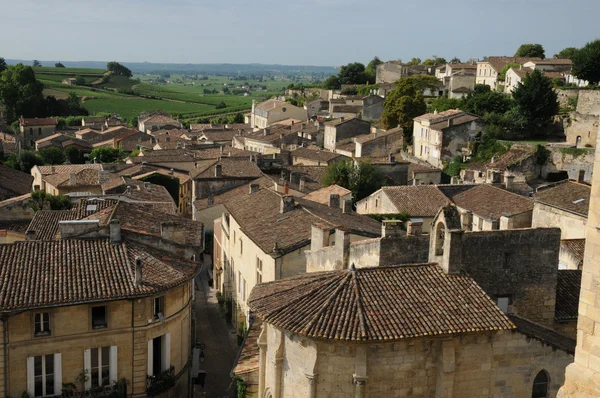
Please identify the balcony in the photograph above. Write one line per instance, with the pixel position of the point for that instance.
(161, 382)
(116, 390)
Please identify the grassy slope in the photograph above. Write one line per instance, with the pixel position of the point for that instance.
(74, 71)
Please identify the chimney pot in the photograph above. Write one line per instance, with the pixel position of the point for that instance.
(218, 170)
(302, 184)
(287, 204)
(334, 200)
(347, 206)
(414, 227)
(115, 231)
(138, 271)
(254, 188)
(391, 228)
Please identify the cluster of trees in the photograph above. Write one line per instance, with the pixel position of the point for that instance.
(362, 179)
(527, 113)
(26, 159)
(354, 73)
(107, 155)
(43, 200)
(221, 105)
(229, 119)
(22, 95)
(530, 50)
(117, 69)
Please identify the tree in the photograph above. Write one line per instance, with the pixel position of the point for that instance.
(332, 83)
(59, 65)
(371, 70)
(74, 155)
(79, 80)
(2, 65)
(221, 105)
(21, 93)
(41, 200)
(36, 63)
(434, 61)
(353, 73)
(29, 159)
(237, 118)
(414, 61)
(586, 62)
(568, 53)
(362, 179)
(455, 60)
(505, 68)
(106, 155)
(53, 155)
(404, 103)
(536, 102)
(530, 51)
(487, 102)
(117, 69)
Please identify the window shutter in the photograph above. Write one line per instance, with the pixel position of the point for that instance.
(57, 373)
(30, 376)
(87, 367)
(166, 351)
(150, 358)
(113, 364)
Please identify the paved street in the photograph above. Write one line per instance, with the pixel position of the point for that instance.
(219, 339)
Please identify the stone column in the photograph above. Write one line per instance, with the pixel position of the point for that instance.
(583, 376)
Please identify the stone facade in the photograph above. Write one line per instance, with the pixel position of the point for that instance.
(572, 226)
(380, 144)
(588, 102)
(502, 364)
(582, 130)
(372, 107)
(344, 129)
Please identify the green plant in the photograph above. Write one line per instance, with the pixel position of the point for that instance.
(241, 389)
(574, 152)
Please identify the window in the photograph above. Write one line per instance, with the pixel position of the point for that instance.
(44, 372)
(159, 354)
(239, 282)
(159, 307)
(99, 317)
(241, 246)
(39, 131)
(503, 302)
(540, 385)
(100, 366)
(258, 270)
(376, 202)
(42, 324)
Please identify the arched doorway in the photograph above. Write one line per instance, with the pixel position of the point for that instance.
(540, 385)
(578, 141)
(440, 234)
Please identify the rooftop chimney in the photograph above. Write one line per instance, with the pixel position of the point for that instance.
(391, 228)
(138, 271)
(347, 206)
(115, 231)
(211, 199)
(171, 172)
(72, 178)
(301, 184)
(581, 177)
(319, 237)
(414, 227)
(52, 169)
(218, 170)
(147, 186)
(287, 204)
(286, 188)
(509, 182)
(334, 200)
(254, 188)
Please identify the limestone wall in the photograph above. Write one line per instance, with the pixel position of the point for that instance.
(572, 226)
(571, 163)
(581, 129)
(589, 102)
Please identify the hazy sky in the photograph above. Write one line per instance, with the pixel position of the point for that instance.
(293, 32)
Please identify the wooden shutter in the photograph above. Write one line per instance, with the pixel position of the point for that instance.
(113, 364)
(57, 373)
(30, 376)
(87, 367)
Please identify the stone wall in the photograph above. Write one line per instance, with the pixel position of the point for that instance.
(372, 107)
(565, 95)
(455, 138)
(390, 251)
(380, 146)
(571, 163)
(572, 226)
(589, 102)
(581, 129)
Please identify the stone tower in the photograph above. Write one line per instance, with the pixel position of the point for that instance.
(583, 376)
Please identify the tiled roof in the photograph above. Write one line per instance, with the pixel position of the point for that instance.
(568, 286)
(370, 137)
(320, 155)
(230, 168)
(160, 119)
(487, 201)
(417, 168)
(227, 195)
(15, 181)
(554, 61)
(85, 177)
(456, 121)
(498, 62)
(19, 226)
(313, 175)
(567, 195)
(248, 357)
(378, 304)
(269, 135)
(68, 168)
(434, 117)
(544, 334)
(139, 191)
(322, 195)
(142, 170)
(347, 108)
(46, 273)
(416, 200)
(271, 104)
(523, 72)
(48, 121)
(260, 219)
(574, 246)
(44, 225)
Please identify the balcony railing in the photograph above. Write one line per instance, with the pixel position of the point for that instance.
(117, 390)
(161, 382)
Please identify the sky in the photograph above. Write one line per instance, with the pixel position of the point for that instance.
(292, 32)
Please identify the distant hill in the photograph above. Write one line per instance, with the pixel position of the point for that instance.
(213, 69)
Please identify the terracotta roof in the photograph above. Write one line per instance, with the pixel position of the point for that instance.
(554, 61)
(94, 120)
(85, 177)
(248, 359)
(259, 217)
(313, 175)
(160, 119)
(456, 121)
(229, 194)
(68, 168)
(487, 201)
(370, 137)
(568, 286)
(567, 195)
(417, 168)
(271, 104)
(48, 121)
(347, 108)
(435, 117)
(498, 62)
(19, 226)
(378, 304)
(15, 181)
(37, 274)
(139, 191)
(322, 195)
(230, 168)
(320, 155)
(523, 72)
(576, 247)
(143, 170)
(416, 200)
(544, 334)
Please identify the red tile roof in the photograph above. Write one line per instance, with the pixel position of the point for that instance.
(378, 304)
(567, 195)
(47, 121)
(14, 181)
(416, 200)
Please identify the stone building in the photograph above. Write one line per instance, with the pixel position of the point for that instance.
(62, 141)
(31, 130)
(392, 71)
(314, 157)
(266, 113)
(514, 76)
(489, 68)
(519, 162)
(372, 107)
(134, 330)
(158, 122)
(14, 183)
(419, 174)
(564, 205)
(342, 129)
(379, 143)
(438, 137)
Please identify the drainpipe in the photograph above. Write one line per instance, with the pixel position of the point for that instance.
(5, 324)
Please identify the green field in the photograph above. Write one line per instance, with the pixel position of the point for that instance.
(59, 78)
(74, 71)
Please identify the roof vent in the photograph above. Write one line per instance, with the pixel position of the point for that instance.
(575, 202)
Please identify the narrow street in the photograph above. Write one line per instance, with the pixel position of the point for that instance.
(218, 338)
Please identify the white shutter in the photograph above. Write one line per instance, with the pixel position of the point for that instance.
(87, 367)
(30, 376)
(113, 364)
(57, 373)
(150, 358)
(166, 351)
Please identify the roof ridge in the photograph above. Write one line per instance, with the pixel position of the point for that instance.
(359, 305)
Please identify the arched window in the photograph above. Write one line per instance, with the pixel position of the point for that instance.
(440, 234)
(540, 385)
(578, 141)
